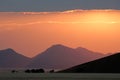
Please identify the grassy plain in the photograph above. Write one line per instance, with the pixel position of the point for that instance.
(57, 76)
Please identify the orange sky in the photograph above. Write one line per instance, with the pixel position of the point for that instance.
(30, 33)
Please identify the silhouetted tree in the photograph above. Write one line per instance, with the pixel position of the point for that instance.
(27, 71)
(14, 71)
(51, 71)
(41, 70)
(34, 71)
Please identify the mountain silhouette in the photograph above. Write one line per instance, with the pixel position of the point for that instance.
(109, 64)
(60, 57)
(11, 59)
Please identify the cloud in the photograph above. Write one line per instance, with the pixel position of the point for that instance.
(61, 12)
(67, 11)
(77, 16)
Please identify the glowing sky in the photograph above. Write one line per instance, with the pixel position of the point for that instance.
(32, 32)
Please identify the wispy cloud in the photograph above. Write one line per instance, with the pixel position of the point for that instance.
(77, 16)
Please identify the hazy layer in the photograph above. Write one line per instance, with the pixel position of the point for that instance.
(32, 32)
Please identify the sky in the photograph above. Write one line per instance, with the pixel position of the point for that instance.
(31, 26)
(30, 33)
(56, 5)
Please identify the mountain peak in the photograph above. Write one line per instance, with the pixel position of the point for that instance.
(81, 49)
(60, 57)
(85, 50)
(11, 59)
(8, 50)
(58, 47)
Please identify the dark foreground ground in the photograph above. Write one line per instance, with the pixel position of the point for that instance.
(58, 76)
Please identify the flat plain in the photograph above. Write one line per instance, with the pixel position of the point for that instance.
(58, 76)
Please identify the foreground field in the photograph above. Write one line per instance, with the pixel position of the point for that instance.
(58, 76)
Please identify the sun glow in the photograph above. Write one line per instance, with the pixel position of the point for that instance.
(101, 17)
(31, 32)
(98, 20)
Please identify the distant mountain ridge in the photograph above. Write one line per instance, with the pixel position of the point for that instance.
(109, 64)
(55, 57)
(60, 57)
(11, 59)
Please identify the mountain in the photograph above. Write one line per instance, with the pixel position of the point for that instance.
(11, 59)
(60, 57)
(109, 64)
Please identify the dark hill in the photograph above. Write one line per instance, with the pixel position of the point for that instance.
(110, 64)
